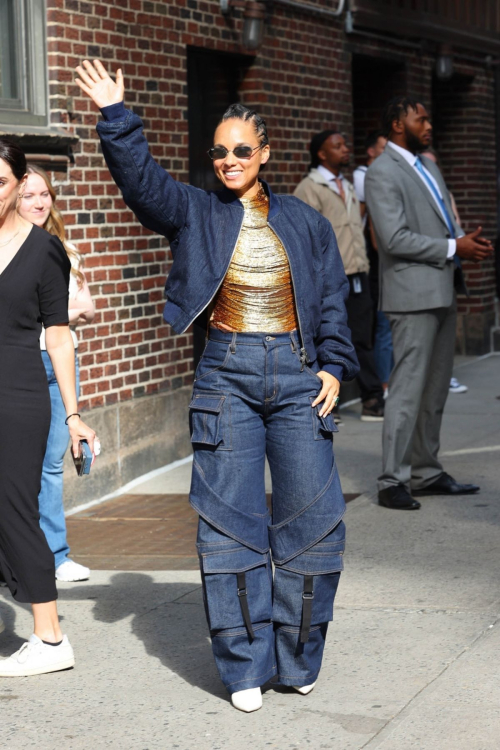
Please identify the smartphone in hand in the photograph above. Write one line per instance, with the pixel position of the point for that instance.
(83, 461)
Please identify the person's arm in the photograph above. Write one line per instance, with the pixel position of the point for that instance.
(387, 211)
(455, 209)
(334, 348)
(159, 202)
(81, 308)
(359, 188)
(386, 207)
(53, 304)
(336, 356)
(372, 234)
(61, 351)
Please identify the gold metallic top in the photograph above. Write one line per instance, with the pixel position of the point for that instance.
(257, 293)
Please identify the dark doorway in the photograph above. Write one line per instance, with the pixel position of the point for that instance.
(374, 81)
(214, 79)
(453, 139)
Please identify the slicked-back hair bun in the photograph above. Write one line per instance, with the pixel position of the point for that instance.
(240, 112)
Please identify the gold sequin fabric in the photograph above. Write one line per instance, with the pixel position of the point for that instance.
(257, 292)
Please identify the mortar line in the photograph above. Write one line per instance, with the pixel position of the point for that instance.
(398, 716)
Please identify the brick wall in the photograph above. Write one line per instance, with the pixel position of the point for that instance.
(465, 126)
(301, 81)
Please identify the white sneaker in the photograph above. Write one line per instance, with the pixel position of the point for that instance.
(456, 387)
(35, 657)
(247, 700)
(2, 625)
(69, 571)
(305, 689)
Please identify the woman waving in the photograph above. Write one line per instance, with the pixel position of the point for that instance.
(265, 272)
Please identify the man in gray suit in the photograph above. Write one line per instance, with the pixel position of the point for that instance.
(419, 244)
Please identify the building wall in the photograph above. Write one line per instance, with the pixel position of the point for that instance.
(136, 374)
(464, 109)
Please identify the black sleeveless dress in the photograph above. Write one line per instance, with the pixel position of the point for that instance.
(33, 290)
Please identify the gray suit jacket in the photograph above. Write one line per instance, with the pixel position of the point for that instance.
(412, 235)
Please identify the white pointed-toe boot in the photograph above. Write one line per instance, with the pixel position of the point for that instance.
(305, 689)
(247, 700)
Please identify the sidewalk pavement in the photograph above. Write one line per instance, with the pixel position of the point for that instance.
(412, 658)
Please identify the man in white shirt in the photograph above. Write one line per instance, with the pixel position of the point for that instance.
(419, 243)
(375, 143)
(327, 190)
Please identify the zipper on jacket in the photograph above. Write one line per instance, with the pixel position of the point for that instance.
(220, 283)
(304, 358)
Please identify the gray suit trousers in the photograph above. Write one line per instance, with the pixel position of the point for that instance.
(424, 345)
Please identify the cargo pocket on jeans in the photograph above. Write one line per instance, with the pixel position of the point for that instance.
(209, 419)
(238, 588)
(323, 427)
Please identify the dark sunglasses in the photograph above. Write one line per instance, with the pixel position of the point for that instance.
(241, 152)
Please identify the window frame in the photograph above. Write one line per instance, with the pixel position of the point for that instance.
(30, 29)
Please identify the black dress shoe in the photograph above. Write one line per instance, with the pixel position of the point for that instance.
(446, 485)
(397, 498)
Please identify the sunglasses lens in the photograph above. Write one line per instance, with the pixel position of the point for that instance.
(217, 153)
(243, 152)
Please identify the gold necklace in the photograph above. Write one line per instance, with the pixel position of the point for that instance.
(2, 244)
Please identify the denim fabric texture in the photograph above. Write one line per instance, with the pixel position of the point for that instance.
(50, 499)
(203, 228)
(251, 399)
(382, 347)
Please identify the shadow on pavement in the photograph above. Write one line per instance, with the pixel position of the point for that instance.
(9, 641)
(176, 635)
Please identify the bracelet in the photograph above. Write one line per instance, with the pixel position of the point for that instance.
(69, 417)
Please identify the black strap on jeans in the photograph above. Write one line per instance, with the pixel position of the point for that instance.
(242, 595)
(307, 602)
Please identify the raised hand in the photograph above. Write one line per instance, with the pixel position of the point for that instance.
(98, 85)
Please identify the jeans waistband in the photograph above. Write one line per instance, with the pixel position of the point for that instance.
(255, 339)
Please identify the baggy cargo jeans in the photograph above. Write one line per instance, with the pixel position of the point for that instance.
(252, 398)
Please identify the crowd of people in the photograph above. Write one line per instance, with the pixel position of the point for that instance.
(299, 292)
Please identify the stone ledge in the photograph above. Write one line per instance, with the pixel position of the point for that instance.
(137, 437)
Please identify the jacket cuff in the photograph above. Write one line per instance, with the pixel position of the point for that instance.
(336, 370)
(114, 112)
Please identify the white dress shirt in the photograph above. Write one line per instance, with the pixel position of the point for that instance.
(330, 177)
(358, 177)
(411, 159)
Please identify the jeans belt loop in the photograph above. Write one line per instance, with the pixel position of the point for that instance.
(233, 343)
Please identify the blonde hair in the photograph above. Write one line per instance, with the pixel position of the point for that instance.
(55, 224)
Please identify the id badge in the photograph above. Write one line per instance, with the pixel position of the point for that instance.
(356, 285)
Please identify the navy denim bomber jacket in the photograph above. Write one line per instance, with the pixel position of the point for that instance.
(203, 227)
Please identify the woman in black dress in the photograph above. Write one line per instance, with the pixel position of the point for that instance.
(34, 275)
